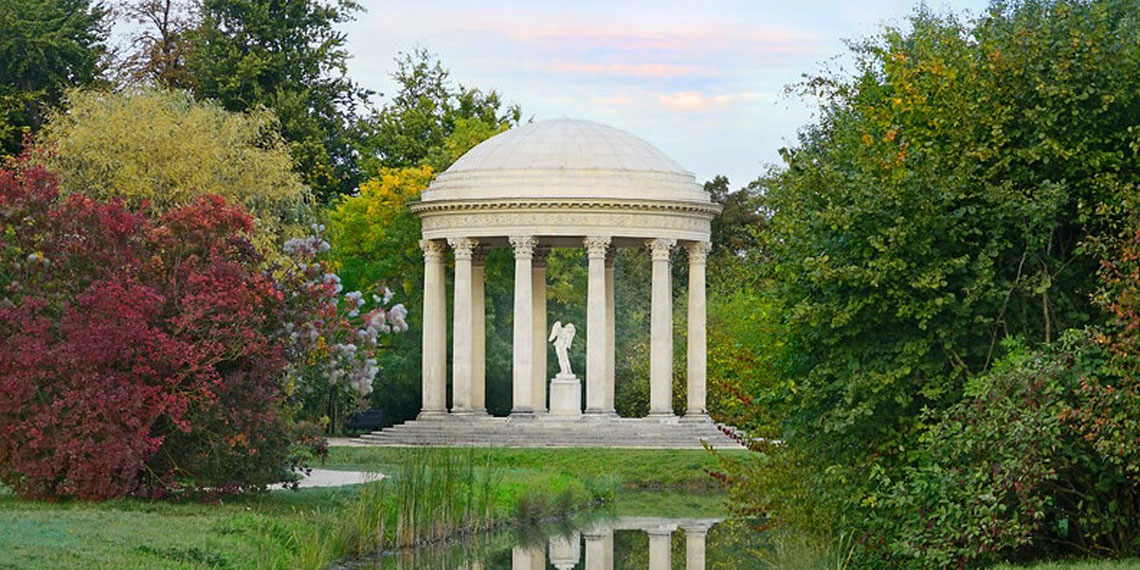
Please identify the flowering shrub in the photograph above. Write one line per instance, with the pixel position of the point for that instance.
(333, 338)
(138, 354)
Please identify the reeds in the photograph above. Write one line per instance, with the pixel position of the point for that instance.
(432, 497)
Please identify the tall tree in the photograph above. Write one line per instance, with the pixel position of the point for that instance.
(425, 113)
(944, 202)
(428, 124)
(161, 46)
(287, 56)
(46, 46)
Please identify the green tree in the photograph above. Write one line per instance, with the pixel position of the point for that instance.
(375, 237)
(941, 202)
(46, 46)
(182, 151)
(427, 115)
(287, 56)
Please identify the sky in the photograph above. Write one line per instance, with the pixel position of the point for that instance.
(703, 80)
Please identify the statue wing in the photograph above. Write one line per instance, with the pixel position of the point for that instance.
(570, 332)
(555, 331)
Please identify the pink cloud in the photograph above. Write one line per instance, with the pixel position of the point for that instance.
(618, 100)
(695, 101)
(650, 70)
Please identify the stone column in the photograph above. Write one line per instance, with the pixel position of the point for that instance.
(528, 558)
(434, 370)
(478, 334)
(697, 344)
(523, 366)
(611, 383)
(661, 330)
(661, 548)
(695, 546)
(596, 549)
(540, 348)
(565, 551)
(462, 329)
(596, 328)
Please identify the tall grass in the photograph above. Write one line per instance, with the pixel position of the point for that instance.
(432, 497)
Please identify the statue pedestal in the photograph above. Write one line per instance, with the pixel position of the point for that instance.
(566, 396)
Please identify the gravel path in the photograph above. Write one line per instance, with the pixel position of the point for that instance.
(331, 478)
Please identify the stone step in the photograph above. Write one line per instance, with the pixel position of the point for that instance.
(546, 431)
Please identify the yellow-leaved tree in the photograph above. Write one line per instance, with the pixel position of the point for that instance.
(374, 231)
(164, 149)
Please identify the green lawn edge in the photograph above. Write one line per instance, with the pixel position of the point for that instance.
(254, 531)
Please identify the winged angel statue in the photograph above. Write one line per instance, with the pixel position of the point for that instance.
(562, 336)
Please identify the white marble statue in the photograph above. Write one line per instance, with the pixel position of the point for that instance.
(562, 336)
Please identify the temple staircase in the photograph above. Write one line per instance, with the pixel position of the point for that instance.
(543, 430)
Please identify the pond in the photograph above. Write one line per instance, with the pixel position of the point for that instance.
(655, 531)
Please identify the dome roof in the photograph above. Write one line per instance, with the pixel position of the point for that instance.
(565, 158)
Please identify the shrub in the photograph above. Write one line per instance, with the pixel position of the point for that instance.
(138, 353)
(186, 150)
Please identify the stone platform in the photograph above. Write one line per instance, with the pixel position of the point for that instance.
(544, 430)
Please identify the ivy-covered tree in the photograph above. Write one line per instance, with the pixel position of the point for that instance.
(286, 56)
(46, 47)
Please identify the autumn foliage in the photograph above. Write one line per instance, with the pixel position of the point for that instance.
(139, 354)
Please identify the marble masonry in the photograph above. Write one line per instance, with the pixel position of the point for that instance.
(550, 184)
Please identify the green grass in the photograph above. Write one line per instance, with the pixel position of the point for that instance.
(649, 468)
(273, 530)
(142, 534)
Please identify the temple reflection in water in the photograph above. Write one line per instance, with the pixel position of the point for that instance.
(597, 544)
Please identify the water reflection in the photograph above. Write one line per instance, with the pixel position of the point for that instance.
(565, 551)
(642, 542)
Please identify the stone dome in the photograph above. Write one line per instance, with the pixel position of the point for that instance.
(561, 181)
(565, 158)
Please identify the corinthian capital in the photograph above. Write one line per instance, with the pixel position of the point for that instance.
(661, 248)
(433, 249)
(463, 247)
(524, 246)
(596, 246)
(698, 251)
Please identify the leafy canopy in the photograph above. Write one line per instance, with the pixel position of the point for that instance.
(286, 56)
(183, 150)
(46, 46)
(940, 205)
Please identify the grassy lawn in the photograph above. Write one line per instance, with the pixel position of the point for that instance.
(141, 534)
(648, 468)
(253, 532)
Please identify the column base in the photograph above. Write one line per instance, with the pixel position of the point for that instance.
(526, 415)
(600, 414)
(665, 416)
(469, 413)
(696, 417)
(431, 415)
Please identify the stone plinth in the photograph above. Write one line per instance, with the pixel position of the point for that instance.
(566, 396)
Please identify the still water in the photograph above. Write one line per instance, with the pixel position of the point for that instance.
(642, 531)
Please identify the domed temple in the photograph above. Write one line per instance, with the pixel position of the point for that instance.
(559, 183)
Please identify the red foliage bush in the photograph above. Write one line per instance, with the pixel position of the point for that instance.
(138, 354)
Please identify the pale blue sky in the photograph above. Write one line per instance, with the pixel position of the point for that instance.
(702, 80)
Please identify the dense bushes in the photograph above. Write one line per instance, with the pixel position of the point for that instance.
(931, 240)
(137, 352)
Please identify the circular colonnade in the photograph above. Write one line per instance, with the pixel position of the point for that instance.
(560, 183)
